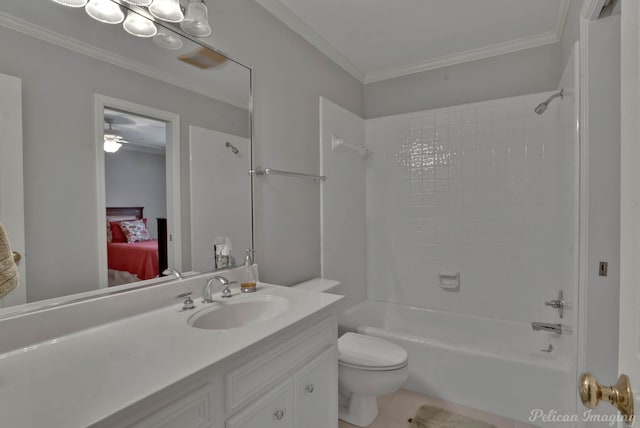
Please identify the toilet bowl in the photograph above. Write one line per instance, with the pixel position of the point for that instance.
(367, 367)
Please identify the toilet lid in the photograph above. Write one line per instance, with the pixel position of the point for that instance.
(370, 352)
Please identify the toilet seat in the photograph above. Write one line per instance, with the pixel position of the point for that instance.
(370, 353)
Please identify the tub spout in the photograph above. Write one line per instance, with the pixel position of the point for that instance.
(554, 328)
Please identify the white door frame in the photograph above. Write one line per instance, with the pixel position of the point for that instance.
(590, 11)
(629, 342)
(11, 178)
(173, 178)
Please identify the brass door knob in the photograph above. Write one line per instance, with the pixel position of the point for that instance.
(619, 395)
(16, 257)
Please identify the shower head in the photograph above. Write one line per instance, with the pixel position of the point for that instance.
(541, 108)
(543, 105)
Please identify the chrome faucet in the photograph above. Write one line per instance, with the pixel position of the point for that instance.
(226, 291)
(553, 328)
(174, 272)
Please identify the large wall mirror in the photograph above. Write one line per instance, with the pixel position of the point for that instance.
(149, 134)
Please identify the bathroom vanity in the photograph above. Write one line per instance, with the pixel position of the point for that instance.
(154, 369)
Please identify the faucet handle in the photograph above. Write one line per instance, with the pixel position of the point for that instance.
(188, 301)
(226, 291)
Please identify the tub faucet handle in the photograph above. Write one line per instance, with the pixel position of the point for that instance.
(558, 304)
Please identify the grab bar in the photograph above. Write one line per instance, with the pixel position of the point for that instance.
(339, 142)
(270, 171)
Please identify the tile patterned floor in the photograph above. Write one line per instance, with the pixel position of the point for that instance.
(396, 409)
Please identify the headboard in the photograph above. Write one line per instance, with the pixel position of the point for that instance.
(124, 213)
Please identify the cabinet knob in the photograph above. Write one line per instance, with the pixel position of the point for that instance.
(279, 414)
(309, 388)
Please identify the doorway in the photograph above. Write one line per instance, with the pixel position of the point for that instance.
(138, 190)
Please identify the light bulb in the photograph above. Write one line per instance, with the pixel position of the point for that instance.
(72, 3)
(111, 146)
(167, 10)
(196, 21)
(167, 40)
(138, 25)
(105, 11)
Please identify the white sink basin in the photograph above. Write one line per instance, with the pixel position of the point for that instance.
(239, 313)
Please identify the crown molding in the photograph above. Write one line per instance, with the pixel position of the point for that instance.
(292, 21)
(561, 18)
(475, 54)
(459, 58)
(296, 24)
(72, 44)
(591, 9)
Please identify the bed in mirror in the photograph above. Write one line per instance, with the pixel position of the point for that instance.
(178, 111)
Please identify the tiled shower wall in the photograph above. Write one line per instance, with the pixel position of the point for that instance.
(487, 190)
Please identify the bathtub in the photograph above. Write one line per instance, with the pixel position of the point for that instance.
(492, 365)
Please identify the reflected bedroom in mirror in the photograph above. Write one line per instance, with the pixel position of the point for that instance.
(133, 143)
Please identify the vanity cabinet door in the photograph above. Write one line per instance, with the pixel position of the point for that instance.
(316, 392)
(273, 410)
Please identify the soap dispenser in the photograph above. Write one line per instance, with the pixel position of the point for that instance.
(248, 285)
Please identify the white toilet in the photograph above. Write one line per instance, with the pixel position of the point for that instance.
(367, 367)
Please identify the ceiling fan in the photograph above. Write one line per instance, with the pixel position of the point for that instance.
(112, 140)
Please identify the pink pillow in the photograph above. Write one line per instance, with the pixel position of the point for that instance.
(135, 231)
(116, 232)
(117, 235)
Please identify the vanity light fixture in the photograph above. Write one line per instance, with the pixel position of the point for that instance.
(138, 2)
(196, 20)
(167, 10)
(105, 11)
(141, 18)
(167, 40)
(72, 3)
(138, 25)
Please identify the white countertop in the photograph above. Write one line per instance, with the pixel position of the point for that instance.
(79, 379)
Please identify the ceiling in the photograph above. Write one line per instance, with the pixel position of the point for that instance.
(142, 134)
(380, 39)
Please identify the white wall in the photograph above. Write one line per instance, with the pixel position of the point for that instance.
(289, 75)
(134, 178)
(219, 203)
(523, 72)
(343, 201)
(484, 189)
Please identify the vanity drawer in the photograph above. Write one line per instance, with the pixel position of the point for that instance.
(249, 379)
(192, 410)
(274, 410)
